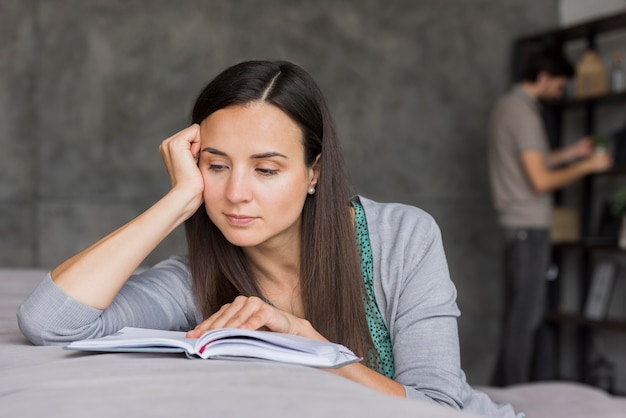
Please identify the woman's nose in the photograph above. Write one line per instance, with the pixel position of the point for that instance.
(238, 187)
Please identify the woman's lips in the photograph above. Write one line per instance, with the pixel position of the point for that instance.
(239, 220)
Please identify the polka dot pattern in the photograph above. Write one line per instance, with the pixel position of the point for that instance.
(383, 359)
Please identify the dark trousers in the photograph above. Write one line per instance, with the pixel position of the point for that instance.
(526, 259)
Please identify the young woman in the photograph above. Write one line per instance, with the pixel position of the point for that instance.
(275, 242)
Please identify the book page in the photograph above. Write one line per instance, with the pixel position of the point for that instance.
(225, 343)
(229, 342)
(138, 339)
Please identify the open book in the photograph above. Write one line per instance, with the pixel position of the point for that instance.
(225, 343)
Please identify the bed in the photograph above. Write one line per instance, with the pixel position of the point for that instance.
(53, 382)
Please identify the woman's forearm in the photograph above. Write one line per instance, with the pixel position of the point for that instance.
(360, 373)
(95, 275)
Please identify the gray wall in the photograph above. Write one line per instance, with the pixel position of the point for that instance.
(89, 89)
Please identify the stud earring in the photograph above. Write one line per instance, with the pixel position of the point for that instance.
(312, 191)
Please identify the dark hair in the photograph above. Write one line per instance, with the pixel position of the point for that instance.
(331, 284)
(550, 60)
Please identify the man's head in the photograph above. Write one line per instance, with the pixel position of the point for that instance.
(547, 72)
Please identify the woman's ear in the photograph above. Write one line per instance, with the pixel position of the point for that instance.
(316, 171)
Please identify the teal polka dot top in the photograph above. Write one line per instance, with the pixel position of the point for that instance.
(378, 329)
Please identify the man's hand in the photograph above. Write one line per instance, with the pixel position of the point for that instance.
(582, 148)
(599, 161)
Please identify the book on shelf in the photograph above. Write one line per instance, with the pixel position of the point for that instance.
(600, 289)
(224, 343)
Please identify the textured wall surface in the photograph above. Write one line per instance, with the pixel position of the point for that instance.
(89, 89)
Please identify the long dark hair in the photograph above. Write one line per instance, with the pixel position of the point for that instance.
(330, 277)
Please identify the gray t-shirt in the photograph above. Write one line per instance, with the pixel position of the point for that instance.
(412, 287)
(516, 126)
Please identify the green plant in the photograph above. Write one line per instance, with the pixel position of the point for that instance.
(617, 202)
(600, 142)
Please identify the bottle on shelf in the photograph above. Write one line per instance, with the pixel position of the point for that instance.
(591, 76)
(618, 73)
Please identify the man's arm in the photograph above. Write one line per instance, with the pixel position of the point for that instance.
(573, 152)
(545, 179)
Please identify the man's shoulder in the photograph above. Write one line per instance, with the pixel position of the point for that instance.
(511, 100)
(512, 108)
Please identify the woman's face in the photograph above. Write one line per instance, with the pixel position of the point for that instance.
(255, 178)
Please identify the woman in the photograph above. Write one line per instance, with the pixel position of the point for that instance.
(275, 243)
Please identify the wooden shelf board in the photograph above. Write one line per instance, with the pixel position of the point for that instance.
(591, 244)
(578, 320)
(579, 30)
(573, 102)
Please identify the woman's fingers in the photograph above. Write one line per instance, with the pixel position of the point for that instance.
(249, 313)
(180, 154)
(245, 312)
(209, 323)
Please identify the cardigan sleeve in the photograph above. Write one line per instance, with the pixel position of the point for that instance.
(421, 309)
(160, 297)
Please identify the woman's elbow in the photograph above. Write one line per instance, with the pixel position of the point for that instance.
(30, 328)
(42, 330)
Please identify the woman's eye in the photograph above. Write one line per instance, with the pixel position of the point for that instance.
(267, 171)
(217, 167)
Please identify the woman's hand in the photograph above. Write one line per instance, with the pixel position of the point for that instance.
(253, 313)
(180, 153)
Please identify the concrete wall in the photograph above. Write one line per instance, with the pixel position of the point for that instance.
(89, 89)
(575, 11)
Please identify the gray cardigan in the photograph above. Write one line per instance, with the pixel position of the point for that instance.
(412, 286)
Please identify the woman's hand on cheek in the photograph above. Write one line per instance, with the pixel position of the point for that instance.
(253, 313)
(180, 154)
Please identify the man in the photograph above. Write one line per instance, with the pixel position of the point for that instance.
(523, 172)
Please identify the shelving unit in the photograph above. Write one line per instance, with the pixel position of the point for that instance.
(589, 244)
(580, 321)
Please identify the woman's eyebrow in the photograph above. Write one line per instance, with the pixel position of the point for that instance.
(214, 151)
(268, 155)
(260, 156)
